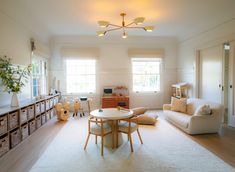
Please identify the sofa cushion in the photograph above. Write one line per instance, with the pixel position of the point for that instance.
(194, 103)
(203, 110)
(181, 119)
(179, 105)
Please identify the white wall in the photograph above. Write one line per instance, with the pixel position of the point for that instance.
(15, 43)
(114, 65)
(187, 51)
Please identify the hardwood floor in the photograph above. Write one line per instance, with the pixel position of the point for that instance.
(23, 157)
(221, 144)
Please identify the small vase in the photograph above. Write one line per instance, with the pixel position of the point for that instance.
(14, 100)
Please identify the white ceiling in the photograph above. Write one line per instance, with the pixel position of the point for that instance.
(178, 18)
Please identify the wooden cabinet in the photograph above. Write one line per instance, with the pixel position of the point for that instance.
(114, 101)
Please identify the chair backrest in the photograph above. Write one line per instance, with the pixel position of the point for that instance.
(90, 104)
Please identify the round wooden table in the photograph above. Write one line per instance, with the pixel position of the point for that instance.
(112, 114)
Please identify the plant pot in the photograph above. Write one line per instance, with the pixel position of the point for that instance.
(14, 100)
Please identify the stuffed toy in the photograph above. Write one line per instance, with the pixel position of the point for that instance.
(64, 114)
(77, 108)
(66, 105)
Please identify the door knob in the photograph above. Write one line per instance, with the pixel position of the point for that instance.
(230, 86)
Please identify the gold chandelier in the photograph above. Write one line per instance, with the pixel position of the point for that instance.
(124, 26)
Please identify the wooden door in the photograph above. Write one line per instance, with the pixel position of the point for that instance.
(231, 90)
(211, 73)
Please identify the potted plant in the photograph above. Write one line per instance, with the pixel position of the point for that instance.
(13, 78)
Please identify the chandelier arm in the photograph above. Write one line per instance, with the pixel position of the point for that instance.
(129, 24)
(115, 25)
(113, 29)
(133, 27)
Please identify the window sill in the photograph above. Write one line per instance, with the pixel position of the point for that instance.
(147, 93)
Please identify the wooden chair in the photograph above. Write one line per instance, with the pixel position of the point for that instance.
(128, 126)
(99, 128)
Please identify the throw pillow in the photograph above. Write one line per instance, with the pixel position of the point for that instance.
(146, 120)
(203, 110)
(139, 110)
(179, 105)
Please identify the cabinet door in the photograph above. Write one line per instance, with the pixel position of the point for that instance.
(109, 103)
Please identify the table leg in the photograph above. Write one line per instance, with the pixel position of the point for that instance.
(117, 140)
(116, 133)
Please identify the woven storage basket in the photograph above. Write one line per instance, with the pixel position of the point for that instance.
(4, 145)
(31, 112)
(3, 124)
(24, 131)
(23, 115)
(13, 120)
(15, 137)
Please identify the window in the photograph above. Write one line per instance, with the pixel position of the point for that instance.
(81, 76)
(146, 74)
(39, 76)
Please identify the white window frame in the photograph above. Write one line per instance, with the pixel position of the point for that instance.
(95, 76)
(42, 90)
(160, 73)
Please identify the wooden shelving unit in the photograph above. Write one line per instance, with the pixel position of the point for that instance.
(17, 123)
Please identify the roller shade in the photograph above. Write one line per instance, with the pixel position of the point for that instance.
(81, 53)
(145, 53)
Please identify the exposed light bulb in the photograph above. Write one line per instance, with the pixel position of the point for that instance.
(149, 28)
(139, 20)
(124, 35)
(103, 23)
(101, 33)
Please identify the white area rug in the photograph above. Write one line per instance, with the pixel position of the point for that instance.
(165, 149)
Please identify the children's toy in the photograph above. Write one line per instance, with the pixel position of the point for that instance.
(77, 108)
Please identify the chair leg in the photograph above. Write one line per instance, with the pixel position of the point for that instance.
(95, 139)
(102, 145)
(86, 141)
(130, 142)
(139, 136)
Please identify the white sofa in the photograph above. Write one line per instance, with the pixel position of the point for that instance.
(195, 124)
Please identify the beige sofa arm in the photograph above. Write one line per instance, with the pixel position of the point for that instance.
(167, 107)
(210, 123)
